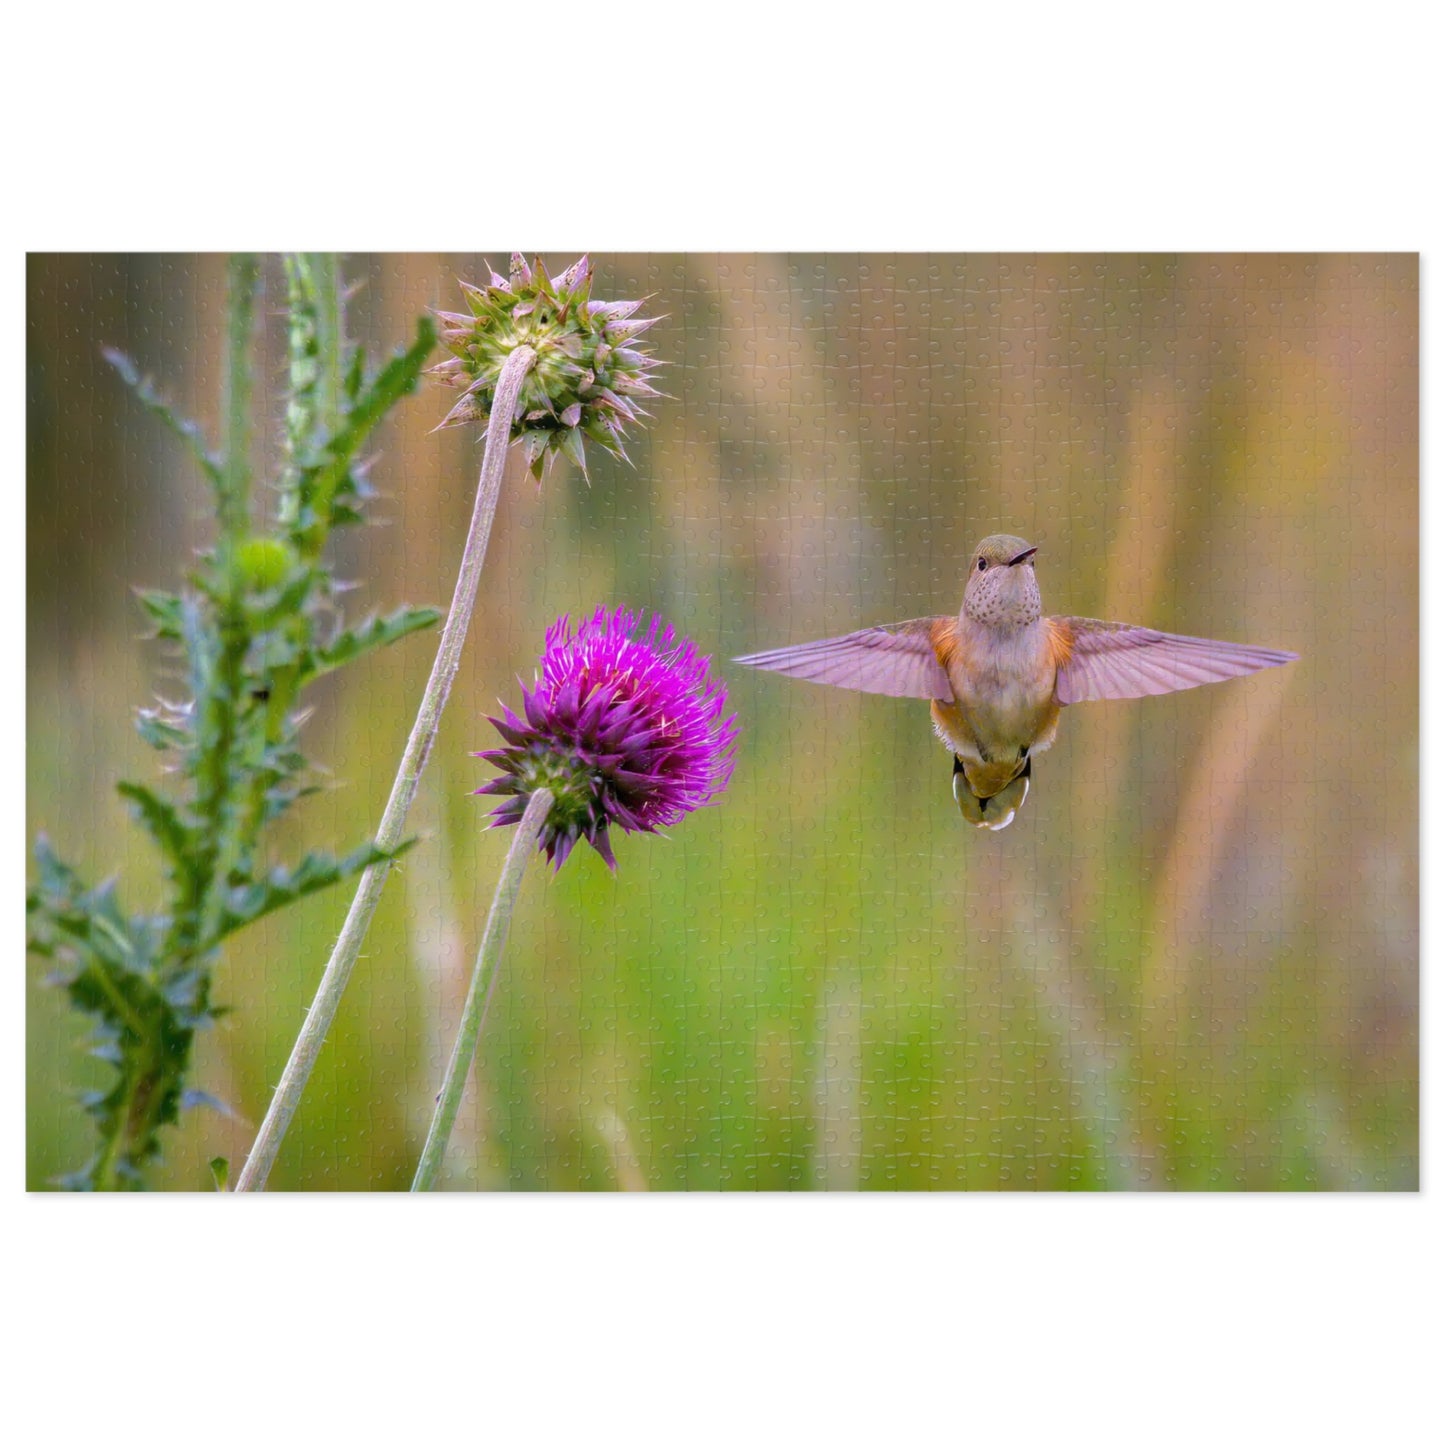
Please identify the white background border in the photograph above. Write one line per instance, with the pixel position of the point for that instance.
(749, 127)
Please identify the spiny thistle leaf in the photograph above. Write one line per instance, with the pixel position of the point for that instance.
(163, 609)
(375, 632)
(161, 820)
(109, 971)
(165, 729)
(285, 885)
(200, 1099)
(327, 480)
(153, 401)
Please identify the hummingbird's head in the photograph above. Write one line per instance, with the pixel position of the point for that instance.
(1002, 590)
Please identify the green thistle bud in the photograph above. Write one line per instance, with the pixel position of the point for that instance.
(588, 375)
(264, 562)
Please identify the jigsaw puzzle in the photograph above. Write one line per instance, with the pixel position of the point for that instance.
(343, 880)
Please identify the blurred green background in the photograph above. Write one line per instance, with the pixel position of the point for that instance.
(1190, 963)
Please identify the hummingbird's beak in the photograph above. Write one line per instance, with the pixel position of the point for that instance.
(1022, 556)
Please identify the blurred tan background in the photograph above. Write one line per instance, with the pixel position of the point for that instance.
(1191, 961)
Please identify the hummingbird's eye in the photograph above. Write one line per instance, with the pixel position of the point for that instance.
(983, 564)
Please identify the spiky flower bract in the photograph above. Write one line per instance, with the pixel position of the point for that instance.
(588, 375)
(624, 726)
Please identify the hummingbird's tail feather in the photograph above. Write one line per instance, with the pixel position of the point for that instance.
(995, 812)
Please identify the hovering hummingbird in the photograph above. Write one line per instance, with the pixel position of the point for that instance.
(998, 674)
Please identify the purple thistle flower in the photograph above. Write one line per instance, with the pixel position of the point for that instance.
(623, 726)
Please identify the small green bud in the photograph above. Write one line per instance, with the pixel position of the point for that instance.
(264, 562)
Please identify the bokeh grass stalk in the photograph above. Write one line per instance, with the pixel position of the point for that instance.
(479, 993)
(298, 1069)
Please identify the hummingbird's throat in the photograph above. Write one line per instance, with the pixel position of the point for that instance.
(1009, 605)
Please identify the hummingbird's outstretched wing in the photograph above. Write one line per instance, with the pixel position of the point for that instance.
(897, 660)
(1112, 659)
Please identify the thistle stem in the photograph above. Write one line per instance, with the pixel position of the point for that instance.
(413, 760)
(234, 499)
(479, 994)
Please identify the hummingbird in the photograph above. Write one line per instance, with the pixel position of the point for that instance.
(999, 673)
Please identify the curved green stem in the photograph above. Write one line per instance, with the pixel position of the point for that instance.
(413, 760)
(479, 994)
